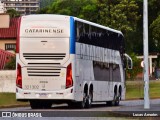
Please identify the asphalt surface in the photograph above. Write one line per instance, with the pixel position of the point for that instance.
(128, 109)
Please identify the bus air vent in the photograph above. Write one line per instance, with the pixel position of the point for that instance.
(50, 72)
(44, 56)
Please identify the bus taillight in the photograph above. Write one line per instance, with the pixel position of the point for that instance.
(69, 80)
(19, 76)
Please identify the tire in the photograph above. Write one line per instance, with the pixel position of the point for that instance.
(116, 100)
(82, 104)
(89, 100)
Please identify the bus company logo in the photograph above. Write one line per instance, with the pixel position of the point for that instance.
(45, 30)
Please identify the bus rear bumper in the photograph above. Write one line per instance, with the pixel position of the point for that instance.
(25, 95)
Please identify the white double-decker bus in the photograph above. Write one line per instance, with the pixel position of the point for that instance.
(64, 59)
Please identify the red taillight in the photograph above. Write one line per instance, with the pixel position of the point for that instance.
(19, 77)
(69, 80)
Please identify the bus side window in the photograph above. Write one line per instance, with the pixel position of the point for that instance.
(79, 32)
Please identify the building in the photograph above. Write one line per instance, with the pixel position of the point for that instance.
(151, 64)
(1, 7)
(8, 33)
(4, 20)
(24, 7)
(8, 36)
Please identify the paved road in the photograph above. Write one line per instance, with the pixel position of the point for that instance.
(133, 107)
(128, 104)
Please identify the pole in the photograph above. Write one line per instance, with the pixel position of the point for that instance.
(145, 52)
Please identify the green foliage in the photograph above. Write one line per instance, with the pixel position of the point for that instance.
(121, 15)
(156, 31)
(9, 99)
(13, 13)
(11, 65)
(135, 89)
(153, 11)
(85, 9)
(136, 67)
(43, 10)
(44, 3)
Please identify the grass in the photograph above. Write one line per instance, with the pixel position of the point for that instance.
(7, 99)
(134, 90)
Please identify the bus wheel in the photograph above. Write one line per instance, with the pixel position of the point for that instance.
(89, 100)
(116, 100)
(83, 103)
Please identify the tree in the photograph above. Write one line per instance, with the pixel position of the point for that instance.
(11, 65)
(44, 3)
(121, 15)
(156, 32)
(84, 9)
(13, 13)
(153, 12)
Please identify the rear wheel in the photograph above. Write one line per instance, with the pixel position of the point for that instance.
(82, 104)
(89, 100)
(115, 101)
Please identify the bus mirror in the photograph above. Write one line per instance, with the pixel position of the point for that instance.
(129, 64)
(129, 61)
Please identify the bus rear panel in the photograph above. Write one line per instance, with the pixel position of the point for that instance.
(44, 62)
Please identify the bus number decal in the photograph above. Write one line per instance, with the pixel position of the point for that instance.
(32, 87)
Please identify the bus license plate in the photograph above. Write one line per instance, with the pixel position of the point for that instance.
(43, 94)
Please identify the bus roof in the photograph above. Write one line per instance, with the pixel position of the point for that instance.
(59, 17)
(45, 17)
